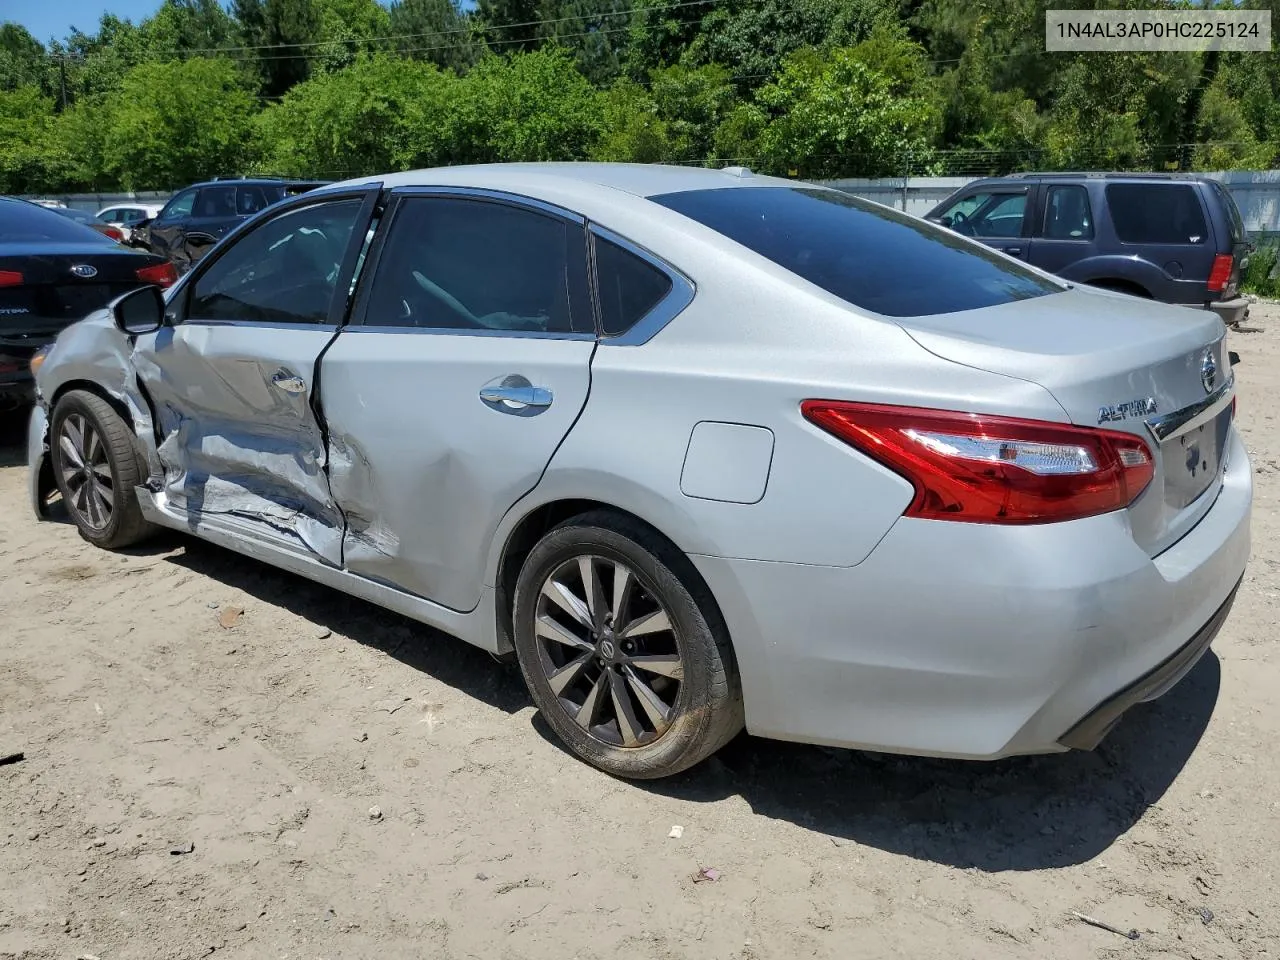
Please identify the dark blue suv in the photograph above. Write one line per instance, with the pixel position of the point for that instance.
(1171, 237)
(195, 218)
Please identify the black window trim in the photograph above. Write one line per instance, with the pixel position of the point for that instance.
(179, 298)
(661, 313)
(997, 189)
(1039, 227)
(398, 196)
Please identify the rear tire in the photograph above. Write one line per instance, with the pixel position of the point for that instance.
(639, 680)
(97, 465)
(1119, 286)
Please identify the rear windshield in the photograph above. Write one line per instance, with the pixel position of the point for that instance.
(21, 221)
(1235, 222)
(870, 256)
(1156, 213)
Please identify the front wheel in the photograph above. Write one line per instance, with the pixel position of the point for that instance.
(96, 465)
(625, 657)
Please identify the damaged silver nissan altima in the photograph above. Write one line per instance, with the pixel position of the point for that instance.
(702, 449)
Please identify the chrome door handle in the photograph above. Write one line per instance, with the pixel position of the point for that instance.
(1013, 251)
(516, 397)
(288, 382)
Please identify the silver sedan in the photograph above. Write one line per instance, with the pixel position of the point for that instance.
(701, 449)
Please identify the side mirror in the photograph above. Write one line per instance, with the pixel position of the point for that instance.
(139, 311)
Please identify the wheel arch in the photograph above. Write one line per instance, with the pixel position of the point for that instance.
(99, 391)
(1121, 286)
(531, 527)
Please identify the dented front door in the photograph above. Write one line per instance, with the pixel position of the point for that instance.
(232, 377)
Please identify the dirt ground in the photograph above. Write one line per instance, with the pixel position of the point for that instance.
(148, 727)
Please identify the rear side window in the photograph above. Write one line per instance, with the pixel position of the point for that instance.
(20, 221)
(251, 200)
(1156, 213)
(629, 287)
(870, 256)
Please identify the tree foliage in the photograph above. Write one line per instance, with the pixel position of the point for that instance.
(812, 88)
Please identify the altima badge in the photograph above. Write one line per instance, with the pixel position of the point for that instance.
(84, 270)
(1209, 371)
(1139, 407)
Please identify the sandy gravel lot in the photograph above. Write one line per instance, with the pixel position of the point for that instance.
(148, 727)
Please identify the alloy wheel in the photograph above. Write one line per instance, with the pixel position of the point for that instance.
(609, 651)
(86, 471)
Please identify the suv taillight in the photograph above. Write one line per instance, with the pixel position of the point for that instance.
(10, 278)
(1220, 272)
(975, 468)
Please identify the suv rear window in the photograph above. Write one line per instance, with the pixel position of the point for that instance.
(1156, 213)
(870, 256)
(1235, 222)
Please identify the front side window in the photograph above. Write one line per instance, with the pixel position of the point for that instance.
(1167, 213)
(251, 199)
(1066, 213)
(870, 256)
(459, 264)
(286, 271)
(179, 206)
(987, 215)
(111, 216)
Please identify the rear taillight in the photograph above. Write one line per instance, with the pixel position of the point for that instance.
(162, 274)
(1220, 272)
(976, 468)
(113, 233)
(10, 278)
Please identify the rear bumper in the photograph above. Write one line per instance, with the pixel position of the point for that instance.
(977, 641)
(1231, 311)
(1090, 731)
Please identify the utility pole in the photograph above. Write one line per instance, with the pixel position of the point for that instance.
(62, 73)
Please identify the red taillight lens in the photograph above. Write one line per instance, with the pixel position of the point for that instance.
(976, 468)
(162, 274)
(10, 278)
(113, 233)
(1220, 272)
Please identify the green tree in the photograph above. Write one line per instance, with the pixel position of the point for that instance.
(174, 122)
(346, 27)
(529, 106)
(1226, 137)
(282, 35)
(433, 30)
(692, 102)
(857, 111)
(378, 115)
(22, 58)
(631, 130)
(28, 164)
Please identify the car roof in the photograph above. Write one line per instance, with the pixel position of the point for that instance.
(639, 179)
(250, 181)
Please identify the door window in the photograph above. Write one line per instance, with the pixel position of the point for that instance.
(179, 206)
(629, 287)
(251, 199)
(455, 264)
(216, 202)
(1066, 213)
(987, 215)
(1156, 213)
(285, 271)
(110, 216)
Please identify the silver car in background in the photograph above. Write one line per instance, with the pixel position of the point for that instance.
(701, 448)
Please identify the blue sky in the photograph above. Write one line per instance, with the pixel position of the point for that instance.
(55, 18)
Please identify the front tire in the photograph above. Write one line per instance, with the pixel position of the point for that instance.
(623, 650)
(97, 465)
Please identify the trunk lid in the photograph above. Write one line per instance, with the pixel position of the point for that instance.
(53, 295)
(1120, 363)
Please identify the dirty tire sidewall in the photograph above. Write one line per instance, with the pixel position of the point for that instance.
(709, 703)
(127, 525)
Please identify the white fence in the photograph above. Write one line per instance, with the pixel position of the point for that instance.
(1256, 192)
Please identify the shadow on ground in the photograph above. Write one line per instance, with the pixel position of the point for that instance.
(1018, 814)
